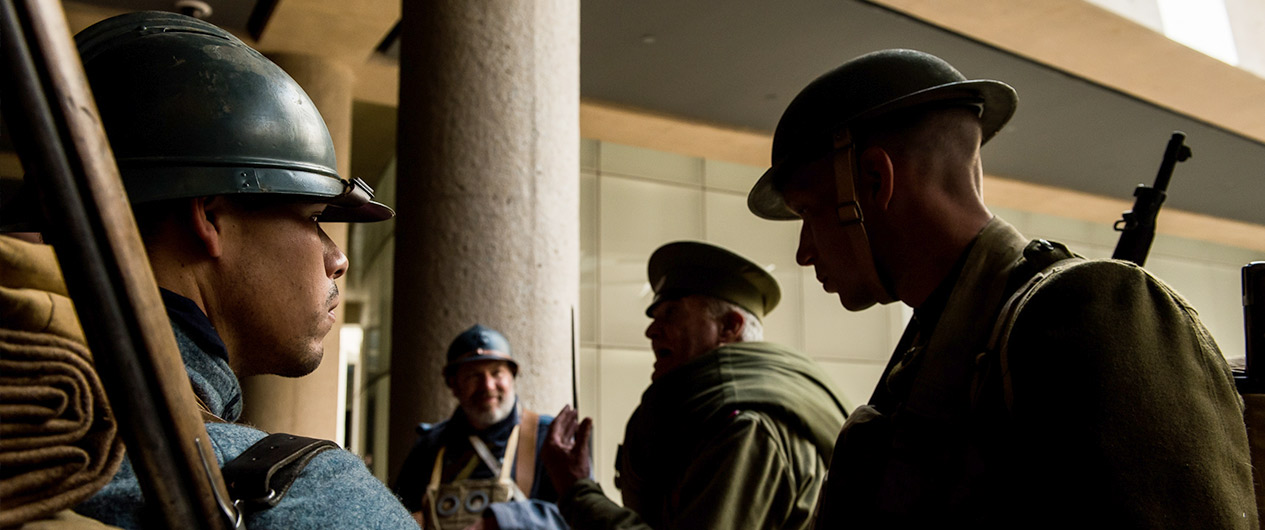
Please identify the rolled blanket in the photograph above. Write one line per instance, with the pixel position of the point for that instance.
(66, 520)
(58, 438)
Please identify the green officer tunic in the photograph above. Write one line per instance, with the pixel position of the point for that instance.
(739, 437)
(1112, 408)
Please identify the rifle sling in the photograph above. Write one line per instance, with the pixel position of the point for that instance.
(259, 477)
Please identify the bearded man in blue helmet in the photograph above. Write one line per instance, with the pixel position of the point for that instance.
(470, 467)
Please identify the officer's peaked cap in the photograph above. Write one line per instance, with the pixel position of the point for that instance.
(685, 268)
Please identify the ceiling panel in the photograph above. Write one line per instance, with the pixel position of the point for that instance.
(740, 62)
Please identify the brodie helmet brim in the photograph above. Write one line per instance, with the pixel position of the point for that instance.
(862, 89)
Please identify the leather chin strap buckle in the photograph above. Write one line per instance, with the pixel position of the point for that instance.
(846, 169)
(848, 209)
(850, 213)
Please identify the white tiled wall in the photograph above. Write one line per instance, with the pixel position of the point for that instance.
(633, 200)
(635, 217)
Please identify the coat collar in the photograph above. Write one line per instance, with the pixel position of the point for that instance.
(205, 357)
(943, 381)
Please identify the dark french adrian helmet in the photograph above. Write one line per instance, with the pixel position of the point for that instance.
(862, 89)
(192, 111)
(478, 343)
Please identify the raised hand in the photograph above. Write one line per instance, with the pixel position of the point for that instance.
(566, 451)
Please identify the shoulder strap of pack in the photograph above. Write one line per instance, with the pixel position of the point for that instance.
(437, 471)
(1047, 259)
(525, 467)
(259, 477)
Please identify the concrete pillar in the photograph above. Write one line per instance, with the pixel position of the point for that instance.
(488, 187)
(308, 405)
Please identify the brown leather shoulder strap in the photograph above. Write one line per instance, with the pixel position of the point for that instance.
(525, 467)
(260, 476)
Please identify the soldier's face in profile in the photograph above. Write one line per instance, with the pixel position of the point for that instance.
(275, 296)
(682, 329)
(841, 264)
(485, 391)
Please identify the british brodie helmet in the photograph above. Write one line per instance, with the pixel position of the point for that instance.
(864, 88)
(192, 111)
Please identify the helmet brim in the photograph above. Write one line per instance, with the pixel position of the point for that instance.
(369, 212)
(450, 369)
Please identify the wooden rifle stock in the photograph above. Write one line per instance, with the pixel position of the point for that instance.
(1137, 226)
(68, 161)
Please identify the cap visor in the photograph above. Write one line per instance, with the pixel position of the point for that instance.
(369, 212)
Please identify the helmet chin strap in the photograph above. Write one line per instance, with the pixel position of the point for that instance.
(849, 210)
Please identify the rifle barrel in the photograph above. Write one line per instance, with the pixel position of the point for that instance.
(1137, 226)
(1176, 151)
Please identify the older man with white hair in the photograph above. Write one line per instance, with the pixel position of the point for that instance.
(732, 433)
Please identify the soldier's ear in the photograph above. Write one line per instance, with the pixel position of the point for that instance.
(876, 176)
(205, 216)
(731, 326)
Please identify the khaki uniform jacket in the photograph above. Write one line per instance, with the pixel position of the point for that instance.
(1112, 408)
(738, 438)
